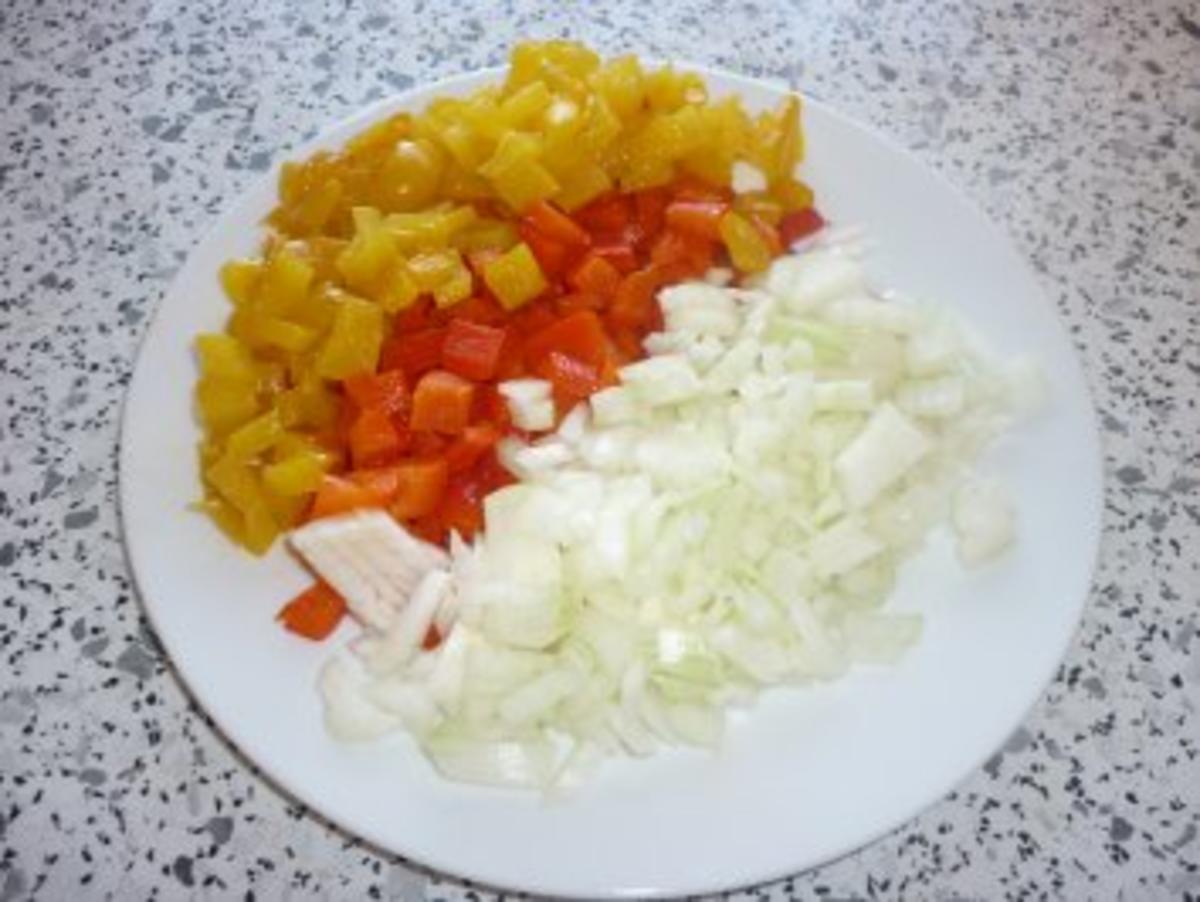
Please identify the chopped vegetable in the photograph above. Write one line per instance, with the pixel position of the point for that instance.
(315, 612)
(442, 403)
(728, 518)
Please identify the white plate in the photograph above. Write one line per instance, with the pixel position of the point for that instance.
(808, 774)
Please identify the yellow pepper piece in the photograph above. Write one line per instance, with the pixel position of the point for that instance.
(410, 176)
(271, 331)
(623, 85)
(299, 474)
(255, 437)
(224, 357)
(515, 277)
(793, 194)
(224, 405)
(370, 253)
(748, 249)
(309, 404)
(582, 184)
(353, 343)
(516, 173)
(285, 283)
(239, 278)
(486, 234)
(522, 108)
(457, 287)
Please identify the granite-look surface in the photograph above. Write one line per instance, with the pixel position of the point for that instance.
(125, 127)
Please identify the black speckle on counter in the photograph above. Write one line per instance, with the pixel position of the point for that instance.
(182, 869)
(81, 519)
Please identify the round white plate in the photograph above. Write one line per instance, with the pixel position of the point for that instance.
(808, 774)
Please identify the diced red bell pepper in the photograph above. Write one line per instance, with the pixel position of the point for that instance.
(699, 218)
(314, 613)
(472, 350)
(416, 317)
(387, 390)
(433, 638)
(556, 225)
(553, 256)
(428, 444)
(491, 473)
(442, 403)
(580, 335)
(339, 495)
(650, 208)
(619, 253)
(511, 364)
(492, 407)
(480, 308)
(694, 255)
(374, 438)
(461, 508)
(572, 379)
(692, 187)
(420, 485)
(533, 317)
(627, 343)
(800, 224)
(578, 300)
(595, 275)
(475, 441)
(634, 304)
(608, 214)
(415, 353)
(428, 529)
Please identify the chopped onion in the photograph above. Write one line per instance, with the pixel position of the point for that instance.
(730, 517)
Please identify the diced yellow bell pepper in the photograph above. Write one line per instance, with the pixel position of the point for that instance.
(370, 253)
(225, 358)
(299, 474)
(228, 519)
(318, 205)
(516, 173)
(309, 404)
(278, 333)
(286, 510)
(255, 437)
(235, 481)
(793, 194)
(622, 84)
(600, 129)
(239, 278)
(456, 288)
(563, 65)
(523, 107)
(760, 204)
(515, 277)
(411, 174)
(224, 405)
(748, 249)
(432, 269)
(584, 183)
(285, 283)
(667, 90)
(396, 289)
(353, 343)
(261, 529)
(486, 234)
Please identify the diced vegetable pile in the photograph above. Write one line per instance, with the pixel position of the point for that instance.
(519, 232)
(729, 517)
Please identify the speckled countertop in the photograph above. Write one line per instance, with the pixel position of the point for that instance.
(124, 128)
